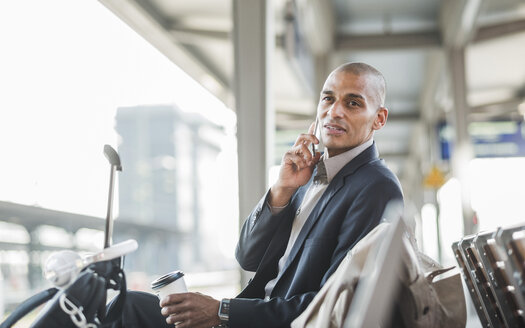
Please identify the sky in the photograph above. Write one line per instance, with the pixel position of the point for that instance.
(65, 67)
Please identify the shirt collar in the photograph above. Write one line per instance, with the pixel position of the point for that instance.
(335, 164)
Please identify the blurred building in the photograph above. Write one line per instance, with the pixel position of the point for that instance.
(162, 151)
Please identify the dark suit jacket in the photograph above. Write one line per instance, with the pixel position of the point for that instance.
(350, 207)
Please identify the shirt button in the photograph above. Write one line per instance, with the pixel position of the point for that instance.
(297, 212)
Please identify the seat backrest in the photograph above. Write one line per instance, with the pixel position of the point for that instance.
(493, 257)
(481, 281)
(469, 281)
(378, 283)
(493, 268)
(512, 241)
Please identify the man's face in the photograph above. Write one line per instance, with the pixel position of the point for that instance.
(349, 111)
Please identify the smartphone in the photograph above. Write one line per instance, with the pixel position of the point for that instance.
(317, 133)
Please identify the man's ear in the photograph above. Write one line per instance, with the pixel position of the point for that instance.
(381, 117)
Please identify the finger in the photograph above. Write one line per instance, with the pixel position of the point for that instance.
(305, 139)
(185, 324)
(305, 152)
(183, 321)
(316, 158)
(169, 310)
(182, 307)
(311, 129)
(297, 159)
(314, 127)
(296, 162)
(173, 299)
(178, 318)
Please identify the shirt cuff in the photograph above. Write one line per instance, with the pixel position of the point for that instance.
(276, 209)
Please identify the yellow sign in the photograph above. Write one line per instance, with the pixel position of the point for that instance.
(435, 178)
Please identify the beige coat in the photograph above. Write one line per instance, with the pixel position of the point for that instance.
(424, 301)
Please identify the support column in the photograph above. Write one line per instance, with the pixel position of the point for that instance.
(463, 151)
(254, 43)
(459, 19)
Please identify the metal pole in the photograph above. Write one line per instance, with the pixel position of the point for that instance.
(109, 216)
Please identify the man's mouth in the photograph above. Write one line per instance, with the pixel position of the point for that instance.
(334, 129)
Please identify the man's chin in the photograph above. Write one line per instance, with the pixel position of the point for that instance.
(336, 150)
(333, 145)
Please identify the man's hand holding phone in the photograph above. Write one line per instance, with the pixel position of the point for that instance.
(317, 147)
(297, 166)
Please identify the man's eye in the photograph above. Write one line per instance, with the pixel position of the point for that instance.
(353, 103)
(327, 98)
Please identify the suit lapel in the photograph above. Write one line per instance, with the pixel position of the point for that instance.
(335, 185)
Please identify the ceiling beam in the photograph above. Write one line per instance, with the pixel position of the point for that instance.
(431, 39)
(148, 21)
(154, 12)
(198, 36)
(458, 19)
(501, 106)
(212, 69)
(167, 24)
(507, 110)
(193, 35)
(485, 33)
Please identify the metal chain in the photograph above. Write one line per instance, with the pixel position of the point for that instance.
(75, 313)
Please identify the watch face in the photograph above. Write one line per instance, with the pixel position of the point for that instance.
(224, 310)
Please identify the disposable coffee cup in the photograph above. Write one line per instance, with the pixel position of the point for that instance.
(170, 283)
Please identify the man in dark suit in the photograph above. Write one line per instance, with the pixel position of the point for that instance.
(317, 210)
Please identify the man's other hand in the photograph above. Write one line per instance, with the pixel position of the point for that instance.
(193, 310)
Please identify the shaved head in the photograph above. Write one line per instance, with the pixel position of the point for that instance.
(365, 69)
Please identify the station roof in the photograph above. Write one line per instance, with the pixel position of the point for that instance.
(412, 42)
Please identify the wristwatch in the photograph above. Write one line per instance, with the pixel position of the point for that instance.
(224, 312)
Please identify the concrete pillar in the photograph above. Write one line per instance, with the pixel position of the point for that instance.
(463, 151)
(254, 40)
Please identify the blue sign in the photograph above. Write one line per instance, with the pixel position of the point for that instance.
(489, 139)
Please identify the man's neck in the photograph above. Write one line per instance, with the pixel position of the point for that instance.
(336, 163)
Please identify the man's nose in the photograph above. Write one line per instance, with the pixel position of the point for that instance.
(336, 110)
